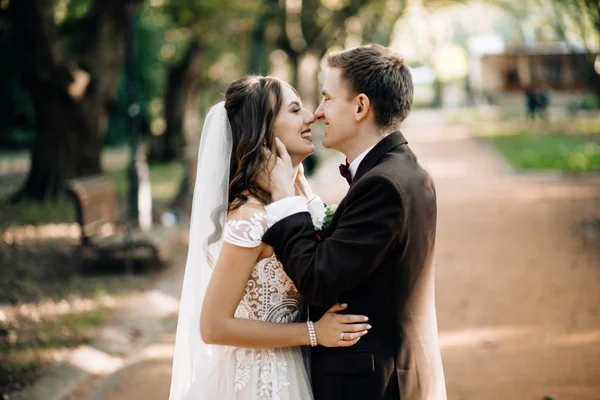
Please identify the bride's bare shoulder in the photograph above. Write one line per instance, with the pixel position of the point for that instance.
(251, 209)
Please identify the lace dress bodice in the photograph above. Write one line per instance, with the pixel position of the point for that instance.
(270, 296)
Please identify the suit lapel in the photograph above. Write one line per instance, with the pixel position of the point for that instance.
(386, 144)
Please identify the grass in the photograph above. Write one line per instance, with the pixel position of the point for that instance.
(496, 120)
(164, 182)
(67, 330)
(48, 308)
(43, 271)
(569, 126)
(13, 155)
(26, 347)
(33, 213)
(561, 152)
(19, 370)
(24, 285)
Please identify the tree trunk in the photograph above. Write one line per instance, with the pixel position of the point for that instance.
(180, 140)
(294, 67)
(181, 107)
(64, 146)
(584, 65)
(258, 61)
(438, 90)
(70, 104)
(307, 74)
(380, 27)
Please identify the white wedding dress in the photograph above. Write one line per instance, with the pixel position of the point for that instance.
(270, 295)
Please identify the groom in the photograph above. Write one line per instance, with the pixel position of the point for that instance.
(376, 254)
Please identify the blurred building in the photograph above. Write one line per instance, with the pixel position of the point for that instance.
(423, 81)
(500, 74)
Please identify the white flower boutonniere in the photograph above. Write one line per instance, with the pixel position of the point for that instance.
(322, 220)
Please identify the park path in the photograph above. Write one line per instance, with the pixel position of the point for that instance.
(518, 274)
(518, 277)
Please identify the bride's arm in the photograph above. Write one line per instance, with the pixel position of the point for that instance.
(225, 290)
(314, 204)
(301, 185)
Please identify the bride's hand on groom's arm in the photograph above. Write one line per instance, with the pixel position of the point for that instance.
(302, 186)
(330, 327)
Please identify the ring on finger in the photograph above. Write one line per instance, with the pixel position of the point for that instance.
(342, 336)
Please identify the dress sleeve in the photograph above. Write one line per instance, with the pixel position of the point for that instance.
(245, 227)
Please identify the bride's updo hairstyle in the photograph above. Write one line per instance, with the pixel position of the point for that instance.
(252, 104)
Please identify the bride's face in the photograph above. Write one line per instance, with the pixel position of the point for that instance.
(292, 126)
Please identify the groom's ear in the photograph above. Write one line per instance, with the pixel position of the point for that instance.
(363, 105)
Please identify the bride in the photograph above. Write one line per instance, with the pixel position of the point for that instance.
(239, 331)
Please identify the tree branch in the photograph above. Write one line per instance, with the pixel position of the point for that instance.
(335, 22)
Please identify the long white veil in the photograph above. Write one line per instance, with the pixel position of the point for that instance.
(192, 356)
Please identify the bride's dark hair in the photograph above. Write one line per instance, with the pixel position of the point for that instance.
(252, 103)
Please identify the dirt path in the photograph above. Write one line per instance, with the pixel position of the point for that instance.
(518, 288)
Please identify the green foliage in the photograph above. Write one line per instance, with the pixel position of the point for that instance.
(149, 31)
(565, 153)
(16, 112)
(71, 19)
(118, 132)
(34, 213)
(591, 102)
(64, 330)
(25, 348)
(164, 181)
(16, 371)
(164, 31)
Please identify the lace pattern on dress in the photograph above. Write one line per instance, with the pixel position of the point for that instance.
(270, 369)
(270, 295)
(246, 233)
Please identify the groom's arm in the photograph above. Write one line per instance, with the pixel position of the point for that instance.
(293, 205)
(371, 220)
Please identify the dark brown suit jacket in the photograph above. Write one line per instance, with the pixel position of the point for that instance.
(376, 256)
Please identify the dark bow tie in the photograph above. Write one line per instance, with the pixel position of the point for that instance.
(345, 172)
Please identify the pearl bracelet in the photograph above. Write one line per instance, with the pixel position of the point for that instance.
(311, 333)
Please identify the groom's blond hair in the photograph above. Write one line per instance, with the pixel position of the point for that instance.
(382, 76)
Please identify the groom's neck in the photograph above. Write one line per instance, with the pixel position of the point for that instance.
(361, 143)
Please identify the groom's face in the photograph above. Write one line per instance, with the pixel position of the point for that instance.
(336, 111)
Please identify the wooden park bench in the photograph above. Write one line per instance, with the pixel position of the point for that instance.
(106, 236)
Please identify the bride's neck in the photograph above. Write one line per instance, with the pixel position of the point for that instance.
(295, 166)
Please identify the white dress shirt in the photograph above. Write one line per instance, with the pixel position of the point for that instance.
(353, 167)
(292, 205)
(281, 209)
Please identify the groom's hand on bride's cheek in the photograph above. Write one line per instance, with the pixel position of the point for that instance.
(282, 174)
